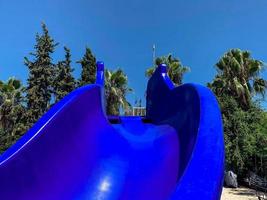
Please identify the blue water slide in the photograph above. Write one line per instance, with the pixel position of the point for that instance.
(75, 151)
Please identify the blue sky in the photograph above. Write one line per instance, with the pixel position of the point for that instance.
(121, 33)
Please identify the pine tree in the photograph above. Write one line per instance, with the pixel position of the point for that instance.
(64, 81)
(41, 73)
(88, 63)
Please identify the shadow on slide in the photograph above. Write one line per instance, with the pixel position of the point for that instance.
(75, 152)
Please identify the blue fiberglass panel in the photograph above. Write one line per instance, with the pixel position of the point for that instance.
(194, 112)
(153, 164)
(56, 162)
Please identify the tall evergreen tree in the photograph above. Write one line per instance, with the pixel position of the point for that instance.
(88, 63)
(64, 82)
(41, 73)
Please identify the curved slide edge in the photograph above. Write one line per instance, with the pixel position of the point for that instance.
(50, 158)
(41, 124)
(194, 112)
(56, 146)
(52, 112)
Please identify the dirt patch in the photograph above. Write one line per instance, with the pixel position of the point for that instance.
(240, 193)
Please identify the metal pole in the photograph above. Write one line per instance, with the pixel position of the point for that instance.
(154, 54)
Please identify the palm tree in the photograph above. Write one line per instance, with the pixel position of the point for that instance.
(116, 88)
(11, 108)
(175, 69)
(11, 90)
(239, 76)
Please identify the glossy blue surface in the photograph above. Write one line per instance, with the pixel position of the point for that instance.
(194, 113)
(74, 152)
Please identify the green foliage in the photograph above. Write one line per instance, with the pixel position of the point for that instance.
(237, 81)
(261, 151)
(116, 88)
(88, 63)
(41, 76)
(176, 70)
(21, 107)
(64, 82)
(239, 76)
(241, 135)
(12, 109)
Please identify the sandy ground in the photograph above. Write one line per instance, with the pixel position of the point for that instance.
(238, 194)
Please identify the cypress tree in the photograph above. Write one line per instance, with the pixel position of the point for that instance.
(64, 81)
(41, 73)
(88, 63)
